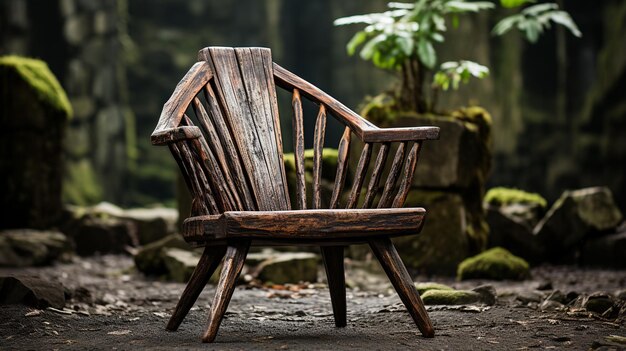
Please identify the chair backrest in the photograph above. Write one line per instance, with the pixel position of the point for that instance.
(234, 161)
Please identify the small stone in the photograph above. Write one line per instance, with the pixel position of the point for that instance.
(621, 294)
(598, 302)
(532, 296)
(149, 259)
(557, 296)
(546, 285)
(424, 287)
(551, 305)
(290, 267)
(451, 297)
(180, 264)
(32, 291)
(487, 294)
(496, 263)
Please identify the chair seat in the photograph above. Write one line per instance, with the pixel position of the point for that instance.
(305, 225)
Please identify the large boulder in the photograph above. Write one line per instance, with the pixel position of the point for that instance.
(496, 264)
(578, 214)
(152, 223)
(31, 291)
(28, 247)
(34, 113)
(524, 207)
(444, 240)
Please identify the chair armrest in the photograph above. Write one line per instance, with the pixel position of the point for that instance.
(365, 130)
(172, 135)
(305, 224)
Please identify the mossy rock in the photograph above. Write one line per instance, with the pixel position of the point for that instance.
(424, 287)
(501, 196)
(329, 162)
(496, 263)
(451, 297)
(39, 77)
(150, 259)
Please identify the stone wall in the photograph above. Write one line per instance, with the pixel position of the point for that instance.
(83, 42)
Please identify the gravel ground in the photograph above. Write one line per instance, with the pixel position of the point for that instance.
(123, 310)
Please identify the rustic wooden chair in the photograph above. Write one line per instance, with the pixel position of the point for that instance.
(233, 166)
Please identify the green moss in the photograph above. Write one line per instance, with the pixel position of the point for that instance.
(506, 196)
(450, 297)
(81, 185)
(424, 287)
(329, 160)
(496, 263)
(37, 74)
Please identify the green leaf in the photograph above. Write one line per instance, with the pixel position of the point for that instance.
(532, 29)
(563, 18)
(405, 44)
(464, 6)
(358, 39)
(369, 48)
(437, 37)
(514, 3)
(539, 8)
(506, 24)
(426, 53)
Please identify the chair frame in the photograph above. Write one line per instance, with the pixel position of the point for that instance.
(226, 218)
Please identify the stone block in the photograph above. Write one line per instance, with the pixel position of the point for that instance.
(31, 291)
(576, 215)
(28, 247)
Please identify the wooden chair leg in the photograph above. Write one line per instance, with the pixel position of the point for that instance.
(231, 268)
(398, 275)
(333, 261)
(209, 261)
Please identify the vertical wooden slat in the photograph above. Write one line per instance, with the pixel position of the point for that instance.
(249, 130)
(266, 57)
(318, 146)
(233, 158)
(342, 168)
(394, 172)
(216, 148)
(359, 176)
(372, 188)
(407, 179)
(298, 149)
(254, 79)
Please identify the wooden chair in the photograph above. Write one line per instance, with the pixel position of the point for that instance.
(232, 163)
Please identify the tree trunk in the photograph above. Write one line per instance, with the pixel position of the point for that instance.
(411, 95)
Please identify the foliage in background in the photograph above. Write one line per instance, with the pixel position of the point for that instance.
(533, 20)
(403, 40)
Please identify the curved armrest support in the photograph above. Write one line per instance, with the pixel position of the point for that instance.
(305, 224)
(196, 78)
(365, 130)
(172, 135)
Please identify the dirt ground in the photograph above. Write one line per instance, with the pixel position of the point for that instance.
(123, 310)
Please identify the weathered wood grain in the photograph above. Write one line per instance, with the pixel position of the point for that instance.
(379, 166)
(232, 154)
(231, 268)
(333, 262)
(318, 147)
(172, 135)
(407, 179)
(307, 224)
(185, 91)
(298, 149)
(209, 261)
(359, 176)
(401, 280)
(342, 168)
(392, 178)
(257, 150)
